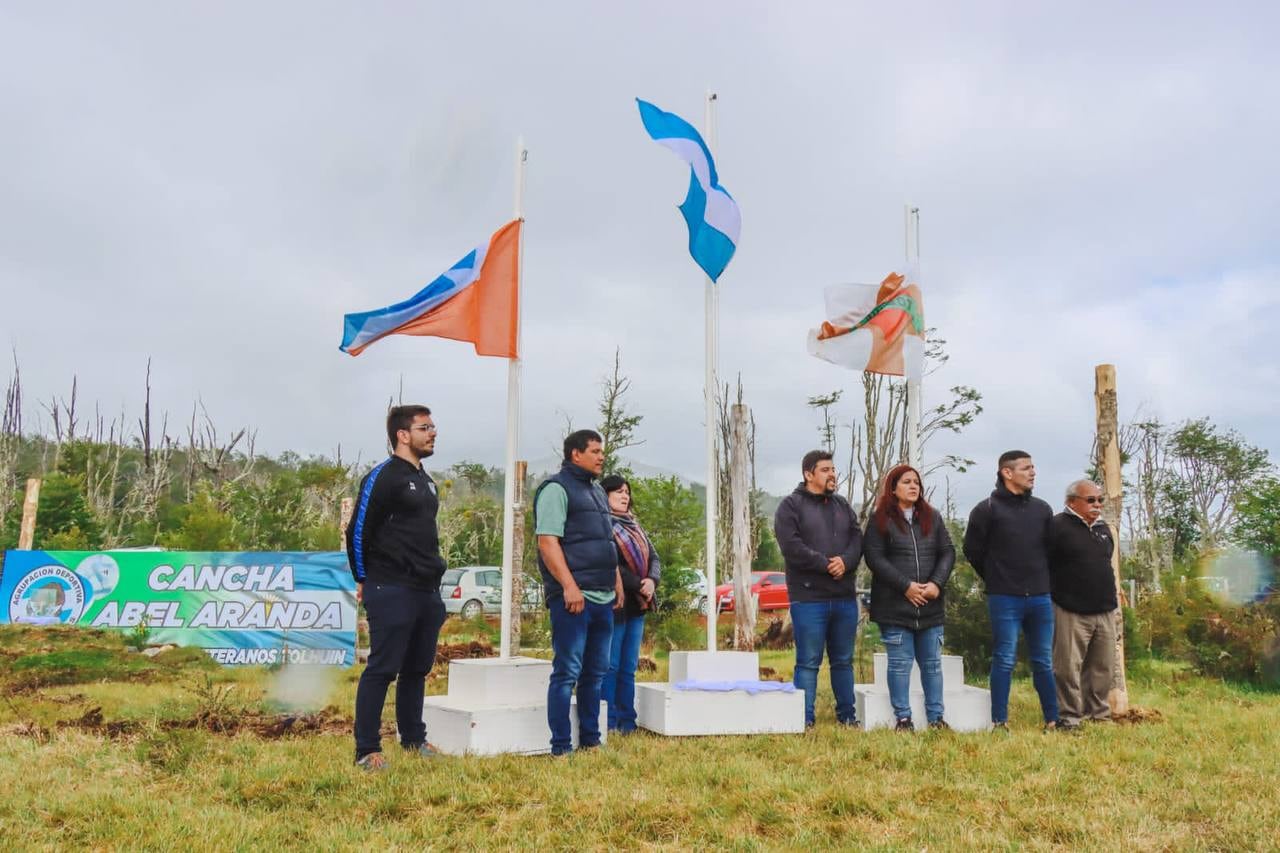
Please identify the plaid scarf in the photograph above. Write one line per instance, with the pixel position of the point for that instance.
(632, 544)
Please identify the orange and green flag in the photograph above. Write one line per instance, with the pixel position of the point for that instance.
(876, 328)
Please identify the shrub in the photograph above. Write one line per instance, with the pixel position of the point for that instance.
(968, 626)
(678, 631)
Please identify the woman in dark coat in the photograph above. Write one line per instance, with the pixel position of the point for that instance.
(910, 555)
(640, 570)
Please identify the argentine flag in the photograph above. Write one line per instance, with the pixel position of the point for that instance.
(710, 212)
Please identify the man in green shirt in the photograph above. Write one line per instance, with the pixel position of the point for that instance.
(582, 586)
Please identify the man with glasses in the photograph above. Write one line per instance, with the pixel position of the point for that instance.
(1084, 604)
(393, 548)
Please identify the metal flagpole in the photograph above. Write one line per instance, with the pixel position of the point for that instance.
(513, 419)
(911, 216)
(713, 479)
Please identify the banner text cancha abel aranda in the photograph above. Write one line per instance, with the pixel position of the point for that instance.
(240, 607)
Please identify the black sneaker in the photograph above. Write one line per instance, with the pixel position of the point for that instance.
(850, 724)
(1067, 726)
(904, 725)
(940, 725)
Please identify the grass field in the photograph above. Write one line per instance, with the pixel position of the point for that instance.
(107, 750)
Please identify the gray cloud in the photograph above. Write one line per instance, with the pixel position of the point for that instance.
(215, 186)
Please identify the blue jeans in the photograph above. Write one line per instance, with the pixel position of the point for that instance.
(907, 647)
(829, 625)
(1032, 614)
(580, 647)
(619, 686)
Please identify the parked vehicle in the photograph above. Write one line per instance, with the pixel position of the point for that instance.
(770, 587)
(472, 590)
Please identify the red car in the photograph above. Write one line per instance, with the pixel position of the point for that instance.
(771, 587)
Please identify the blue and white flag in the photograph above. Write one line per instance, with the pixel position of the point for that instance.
(710, 212)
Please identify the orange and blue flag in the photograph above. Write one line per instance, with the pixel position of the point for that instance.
(476, 300)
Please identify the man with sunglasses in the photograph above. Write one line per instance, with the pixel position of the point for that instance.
(393, 547)
(1083, 587)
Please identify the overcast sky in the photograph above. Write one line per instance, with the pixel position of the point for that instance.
(214, 185)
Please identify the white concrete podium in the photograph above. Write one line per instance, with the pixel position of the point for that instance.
(494, 706)
(967, 709)
(663, 709)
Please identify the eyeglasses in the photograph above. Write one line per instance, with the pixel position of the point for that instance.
(424, 428)
(1091, 499)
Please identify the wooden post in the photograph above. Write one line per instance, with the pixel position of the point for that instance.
(744, 609)
(1112, 490)
(517, 557)
(30, 505)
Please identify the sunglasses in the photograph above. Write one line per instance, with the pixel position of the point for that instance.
(1090, 499)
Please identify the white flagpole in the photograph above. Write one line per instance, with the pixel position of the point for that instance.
(513, 420)
(713, 479)
(911, 216)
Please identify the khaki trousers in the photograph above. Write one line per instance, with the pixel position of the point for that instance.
(1084, 652)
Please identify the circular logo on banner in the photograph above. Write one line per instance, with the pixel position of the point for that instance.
(48, 595)
(101, 572)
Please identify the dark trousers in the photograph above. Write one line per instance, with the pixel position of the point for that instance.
(404, 625)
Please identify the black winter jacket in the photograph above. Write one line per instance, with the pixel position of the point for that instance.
(1080, 565)
(896, 559)
(1007, 543)
(810, 530)
(392, 536)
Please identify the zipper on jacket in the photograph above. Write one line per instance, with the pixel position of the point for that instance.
(911, 528)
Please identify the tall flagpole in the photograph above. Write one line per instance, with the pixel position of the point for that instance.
(513, 418)
(911, 217)
(713, 479)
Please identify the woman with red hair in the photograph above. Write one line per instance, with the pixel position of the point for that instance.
(910, 555)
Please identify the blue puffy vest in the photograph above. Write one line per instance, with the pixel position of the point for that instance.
(588, 534)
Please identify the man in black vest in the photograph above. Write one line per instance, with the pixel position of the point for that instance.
(581, 585)
(1006, 543)
(393, 548)
(1084, 606)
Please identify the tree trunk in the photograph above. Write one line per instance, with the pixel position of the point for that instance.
(30, 505)
(744, 634)
(1112, 489)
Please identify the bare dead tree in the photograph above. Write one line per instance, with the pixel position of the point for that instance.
(10, 441)
(724, 508)
(217, 457)
(617, 424)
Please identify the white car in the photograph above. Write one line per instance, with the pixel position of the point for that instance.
(472, 590)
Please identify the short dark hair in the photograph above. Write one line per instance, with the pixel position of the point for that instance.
(613, 482)
(812, 458)
(1006, 459)
(401, 417)
(578, 440)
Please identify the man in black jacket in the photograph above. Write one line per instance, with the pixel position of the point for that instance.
(393, 548)
(1005, 543)
(1084, 604)
(821, 542)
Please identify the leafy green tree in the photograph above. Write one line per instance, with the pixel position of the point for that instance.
(1217, 468)
(202, 525)
(63, 508)
(1257, 523)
